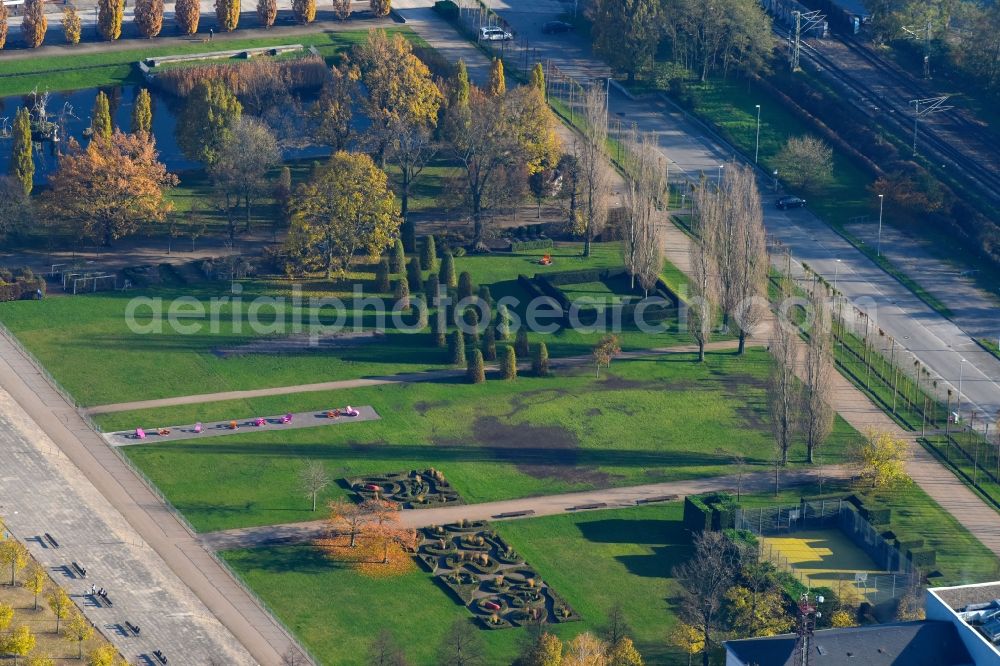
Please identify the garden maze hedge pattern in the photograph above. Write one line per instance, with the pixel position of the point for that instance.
(489, 577)
(414, 489)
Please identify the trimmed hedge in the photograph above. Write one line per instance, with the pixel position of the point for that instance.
(521, 246)
(709, 512)
(447, 9)
(20, 284)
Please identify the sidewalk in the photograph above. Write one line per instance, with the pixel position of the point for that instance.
(120, 530)
(934, 478)
(610, 498)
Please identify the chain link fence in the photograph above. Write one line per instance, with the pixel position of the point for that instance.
(831, 514)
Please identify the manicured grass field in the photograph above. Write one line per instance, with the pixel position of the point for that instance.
(592, 560)
(87, 345)
(73, 72)
(637, 424)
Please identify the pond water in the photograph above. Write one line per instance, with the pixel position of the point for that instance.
(71, 112)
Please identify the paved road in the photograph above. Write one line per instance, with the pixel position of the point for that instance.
(610, 498)
(345, 384)
(939, 343)
(854, 407)
(121, 530)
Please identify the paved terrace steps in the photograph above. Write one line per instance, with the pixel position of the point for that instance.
(154, 566)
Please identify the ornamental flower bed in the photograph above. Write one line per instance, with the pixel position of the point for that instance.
(414, 489)
(487, 575)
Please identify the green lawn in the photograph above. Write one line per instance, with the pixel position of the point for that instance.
(592, 560)
(495, 441)
(115, 67)
(85, 342)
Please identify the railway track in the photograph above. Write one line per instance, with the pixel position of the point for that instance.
(949, 141)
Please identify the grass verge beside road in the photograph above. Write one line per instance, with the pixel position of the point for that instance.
(729, 107)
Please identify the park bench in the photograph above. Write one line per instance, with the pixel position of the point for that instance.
(79, 569)
(658, 498)
(160, 656)
(584, 507)
(51, 540)
(104, 597)
(134, 628)
(515, 514)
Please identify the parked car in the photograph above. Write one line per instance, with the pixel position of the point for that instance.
(785, 203)
(494, 34)
(555, 27)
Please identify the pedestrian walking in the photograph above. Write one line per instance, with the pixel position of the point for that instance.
(211, 34)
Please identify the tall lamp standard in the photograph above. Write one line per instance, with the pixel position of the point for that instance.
(881, 201)
(958, 407)
(836, 274)
(756, 150)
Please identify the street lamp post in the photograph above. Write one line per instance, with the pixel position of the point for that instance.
(756, 150)
(961, 376)
(878, 248)
(775, 181)
(836, 274)
(721, 166)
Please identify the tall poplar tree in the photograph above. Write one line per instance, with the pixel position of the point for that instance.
(142, 112)
(100, 118)
(187, 14)
(498, 83)
(149, 17)
(22, 163)
(109, 18)
(34, 24)
(227, 12)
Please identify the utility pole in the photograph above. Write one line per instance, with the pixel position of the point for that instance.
(926, 107)
(756, 150)
(805, 627)
(803, 24)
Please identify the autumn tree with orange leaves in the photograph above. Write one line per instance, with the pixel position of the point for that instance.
(110, 187)
(369, 536)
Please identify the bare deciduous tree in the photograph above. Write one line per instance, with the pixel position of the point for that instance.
(462, 645)
(595, 172)
(704, 580)
(645, 184)
(385, 652)
(817, 412)
(313, 478)
(738, 242)
(704, 297)
(783, 392)
(243, 161)
(411, 150)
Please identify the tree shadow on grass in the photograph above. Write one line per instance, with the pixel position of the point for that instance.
(301, 559)
(536, 455)
(641, 531)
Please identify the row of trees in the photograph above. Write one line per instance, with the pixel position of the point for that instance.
(148, 17)
(701, 36)
(729, 261)
(19, 641)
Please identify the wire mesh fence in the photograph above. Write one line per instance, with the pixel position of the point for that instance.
(889, 577)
